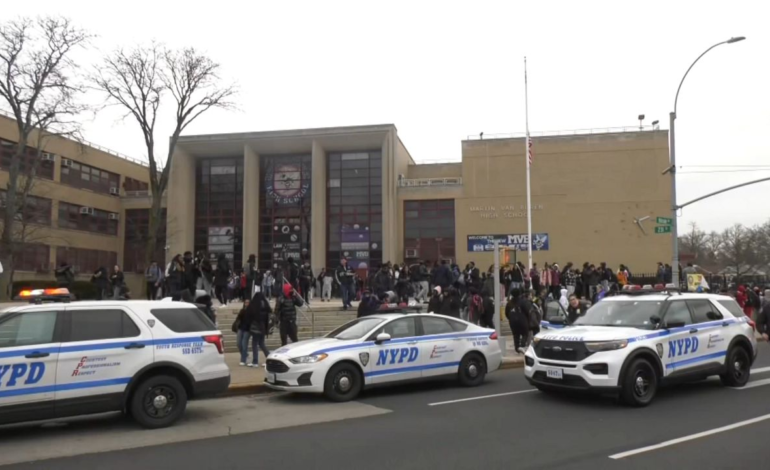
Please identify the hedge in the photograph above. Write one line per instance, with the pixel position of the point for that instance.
(83, 290)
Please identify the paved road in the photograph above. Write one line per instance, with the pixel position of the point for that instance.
(429, 428)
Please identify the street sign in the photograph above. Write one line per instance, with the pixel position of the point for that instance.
(663, 221)
(663, 229)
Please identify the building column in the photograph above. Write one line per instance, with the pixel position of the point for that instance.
(318, 216)
(389, 200)
(251, 186)
(180, 220)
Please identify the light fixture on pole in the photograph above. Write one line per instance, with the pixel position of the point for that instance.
(641, 118)
(672, 165)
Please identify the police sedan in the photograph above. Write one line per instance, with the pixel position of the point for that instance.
(385, 349)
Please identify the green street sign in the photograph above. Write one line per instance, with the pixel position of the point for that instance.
(663, 221)
(663, 229)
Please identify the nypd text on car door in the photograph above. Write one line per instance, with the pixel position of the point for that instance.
(400, 357)
(29, 349)
(102, 348)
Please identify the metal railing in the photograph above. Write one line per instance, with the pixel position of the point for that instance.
(599, 130)
(426, 182)
(138, 193)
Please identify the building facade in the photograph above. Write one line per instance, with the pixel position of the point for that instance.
(320, 194)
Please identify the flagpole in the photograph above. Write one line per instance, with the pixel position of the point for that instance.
(527, 158)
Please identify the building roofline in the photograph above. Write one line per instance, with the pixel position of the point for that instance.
(568, 133)
(287, 133)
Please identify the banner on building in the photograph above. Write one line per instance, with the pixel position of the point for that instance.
(519, 241)
(355, 245)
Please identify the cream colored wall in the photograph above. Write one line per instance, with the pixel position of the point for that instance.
(180, 224)
(250, 203)
(318, 214)
(590, 188)
(435, 170)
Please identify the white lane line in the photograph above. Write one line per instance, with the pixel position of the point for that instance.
(756, 383)
(760, 370)
(482, 398)
(691, 437)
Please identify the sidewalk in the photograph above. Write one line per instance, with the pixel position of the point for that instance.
(249, 380)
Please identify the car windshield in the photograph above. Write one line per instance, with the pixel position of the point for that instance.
(355, 329)
(624, 313)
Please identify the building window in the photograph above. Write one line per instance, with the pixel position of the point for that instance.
(219, 208)
(96, 220)
(429, 230)
(354, 208)
(285, 202)
(83, 176)
(37, 210)
(132, 186)
(32, 257)
(8, 150)
(84, 260)
(137, 229)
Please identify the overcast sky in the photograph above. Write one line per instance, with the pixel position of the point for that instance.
(441, 71)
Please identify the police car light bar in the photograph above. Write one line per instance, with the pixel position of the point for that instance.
(41, 295)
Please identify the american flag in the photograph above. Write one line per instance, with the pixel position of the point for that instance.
(530, 155)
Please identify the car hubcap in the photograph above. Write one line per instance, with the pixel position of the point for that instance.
(473, 370)
(738, 368)
(344, 383)
(159, 401)
(641, 385)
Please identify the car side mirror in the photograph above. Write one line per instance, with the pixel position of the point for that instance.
(655, 320)
(714, 316)
(381, 338)
(673, 324)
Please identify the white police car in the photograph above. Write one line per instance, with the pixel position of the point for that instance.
(143, 358)
(383, 349)
(632, 343)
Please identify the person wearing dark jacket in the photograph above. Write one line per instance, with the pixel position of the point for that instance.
(258, 314)
(442, 276)
(368, 305)
(344, 275)
(174, 274)
(517, 311)
(763, 318)
(436, 300)
(286, 313)
(243, 323)
(450, 305)
(575, 309)
(221, 278)
(251, 275)
(64, 275)
(305, 280)
(293, 272)
(382, 282)
(99, 279)
(118, 282)
(488, 318)
(190, 280)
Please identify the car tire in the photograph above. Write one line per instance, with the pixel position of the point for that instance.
(158, 402)
(640, 384)
(737, 368)
(343, 382)
(472, 370)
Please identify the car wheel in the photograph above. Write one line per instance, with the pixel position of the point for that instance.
(472, 370)
(158, 402)
(639, 384)
(343, 382)
(738, 368)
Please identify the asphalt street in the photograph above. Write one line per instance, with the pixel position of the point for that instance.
(503, 424)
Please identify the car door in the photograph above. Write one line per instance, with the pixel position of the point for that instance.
(676, 345)
(102, 348)
(400, 358)
(440, 346)
(712, 342)
(29, 350)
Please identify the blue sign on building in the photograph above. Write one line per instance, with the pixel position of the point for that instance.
(519, 241)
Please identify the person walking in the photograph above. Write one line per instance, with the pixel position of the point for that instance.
(118, 282)
(763, 317)
(191, 272)
(344, 274)
(517, 318)
(487, 319)
(259, 315)
(242, 326)
(222, 278)
(153, 277)
(286, 313)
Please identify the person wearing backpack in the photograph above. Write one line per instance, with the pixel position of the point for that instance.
(487, 319)
(517, 319)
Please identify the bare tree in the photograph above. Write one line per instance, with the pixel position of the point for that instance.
(38, 86)
(738, 249)
(139, 80)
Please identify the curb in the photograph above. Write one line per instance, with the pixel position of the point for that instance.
(512, 364)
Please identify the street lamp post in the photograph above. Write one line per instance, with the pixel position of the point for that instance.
(672, 168)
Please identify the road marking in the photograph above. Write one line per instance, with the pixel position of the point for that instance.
(482, 397)
(691, 437)
(756, 383)
(760, 370)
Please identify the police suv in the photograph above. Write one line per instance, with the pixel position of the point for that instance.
(384, 349)
(143, 358)
(630, 344)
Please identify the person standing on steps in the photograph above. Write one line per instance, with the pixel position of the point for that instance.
(286, 313)
(344, 275)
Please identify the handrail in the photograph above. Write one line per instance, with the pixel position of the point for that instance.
(600, 130)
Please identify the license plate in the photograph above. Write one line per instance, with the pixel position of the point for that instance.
(271, 378)
(555, 373)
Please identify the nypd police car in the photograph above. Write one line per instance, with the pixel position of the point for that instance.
(383, 349)
(630, 344)
(143, 358)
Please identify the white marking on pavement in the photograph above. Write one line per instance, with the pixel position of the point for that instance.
(482, 398)
(760, 370)
(691, 437)
(756, 383)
